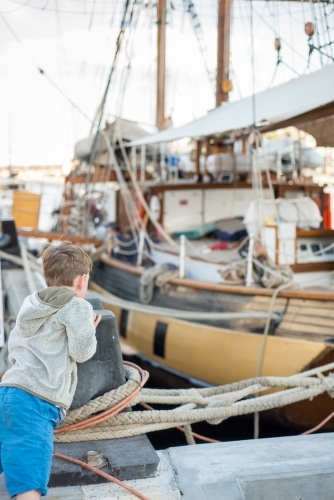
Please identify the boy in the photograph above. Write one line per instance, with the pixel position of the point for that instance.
(55, 329)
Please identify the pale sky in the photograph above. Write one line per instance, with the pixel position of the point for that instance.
(73, 41)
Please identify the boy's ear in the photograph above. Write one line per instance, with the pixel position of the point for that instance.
(78, 282)
(82, 280)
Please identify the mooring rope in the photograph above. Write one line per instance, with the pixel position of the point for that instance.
(213, 404)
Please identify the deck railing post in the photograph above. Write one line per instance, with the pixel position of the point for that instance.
(182, 266)
(133, 158)
(163, 171)
(250, 260)
(141, 248)
(142, 162)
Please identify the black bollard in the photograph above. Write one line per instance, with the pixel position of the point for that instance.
(95, 301)
(128, 458)
(104, 371)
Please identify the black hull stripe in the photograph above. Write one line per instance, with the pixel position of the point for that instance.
(160, 339)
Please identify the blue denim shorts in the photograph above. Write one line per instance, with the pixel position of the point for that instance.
(26, 440)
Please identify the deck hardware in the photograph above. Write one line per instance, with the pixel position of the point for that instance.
(96, 459)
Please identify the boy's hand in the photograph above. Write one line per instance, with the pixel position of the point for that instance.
(96, 319)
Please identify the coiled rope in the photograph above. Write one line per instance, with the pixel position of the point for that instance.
(213, 404)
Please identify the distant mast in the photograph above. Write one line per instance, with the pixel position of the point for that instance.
(223, 82)
(161, 64)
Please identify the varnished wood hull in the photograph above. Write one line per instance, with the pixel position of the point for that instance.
(228, 352)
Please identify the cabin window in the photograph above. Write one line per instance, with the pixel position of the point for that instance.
(303, 247)
(315, 247)
(329, 251)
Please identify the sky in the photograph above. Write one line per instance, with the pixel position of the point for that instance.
(73, 42)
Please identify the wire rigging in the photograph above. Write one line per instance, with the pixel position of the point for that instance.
(42, 72)
(196, 24)
(18, 8)
(272, 29)
(129, 49)
(99, 113)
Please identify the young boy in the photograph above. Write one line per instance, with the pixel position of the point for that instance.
(55, 329)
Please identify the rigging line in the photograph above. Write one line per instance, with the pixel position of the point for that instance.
(317, 31)
(322, 20)
(290, 68)
(291, 35)
(256, 29)
(119, 40)
(253, 63)
(243, 20)
(313, 47)
(82, 69)
(234, 77)
(287, 11)
(91, 19)
(283, 40)
(99, 2)
(327, 30)
(201, 41)
(275, 72)
(146, 90)
(103, 9)
(100, 75)
(272, 14)
(183, 16)
(42, 72)
(74, 12)
(129, 55)
(60, 33)
(150, 69)
(303, 12)
(15, 10)
(99, 115)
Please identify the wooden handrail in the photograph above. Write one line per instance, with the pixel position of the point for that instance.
(58, 236)
(218, 287)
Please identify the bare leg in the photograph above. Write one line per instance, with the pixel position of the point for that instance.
(29, 495)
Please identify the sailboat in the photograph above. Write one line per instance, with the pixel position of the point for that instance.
(295, 322)
(225, 350)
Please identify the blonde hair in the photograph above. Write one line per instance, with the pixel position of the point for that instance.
(64, 262)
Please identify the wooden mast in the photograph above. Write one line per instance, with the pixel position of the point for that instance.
(223, 83)
(161, 64)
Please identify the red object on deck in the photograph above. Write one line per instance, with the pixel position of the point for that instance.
(222, 245)
(327, 215)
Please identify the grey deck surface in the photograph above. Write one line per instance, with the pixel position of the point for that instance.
(161, 487)
(288, 468)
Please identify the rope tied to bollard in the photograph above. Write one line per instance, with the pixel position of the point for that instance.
(212, 404)
(106, 415)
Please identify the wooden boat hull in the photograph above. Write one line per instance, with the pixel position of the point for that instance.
(221, 355)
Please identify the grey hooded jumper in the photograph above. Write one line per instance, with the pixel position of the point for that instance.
(54, 330)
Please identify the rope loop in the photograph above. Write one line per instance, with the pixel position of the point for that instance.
(211, 404)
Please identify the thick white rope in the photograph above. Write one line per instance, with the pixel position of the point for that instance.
(213, 404)
(112, 300)
(283, 286)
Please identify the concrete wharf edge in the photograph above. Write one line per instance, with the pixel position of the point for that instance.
(287, 468)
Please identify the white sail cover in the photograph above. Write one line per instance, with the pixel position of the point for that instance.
(272, 106)
(304, 212)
